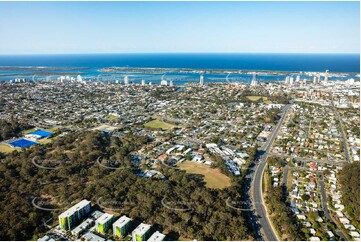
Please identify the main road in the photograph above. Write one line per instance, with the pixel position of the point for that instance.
(343, 136)
(256, 188)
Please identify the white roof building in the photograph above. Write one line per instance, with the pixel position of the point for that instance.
(141, 230)
(104, 218)
(157, 236)
(314, 238)
(82, 204)
(123, 220)
(344, 221)
(355, 234)
(330, 234)
(84, 225)
(349, 227)
(92, 237)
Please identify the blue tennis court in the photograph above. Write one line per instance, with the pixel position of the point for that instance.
(22, 143)
(42, 133)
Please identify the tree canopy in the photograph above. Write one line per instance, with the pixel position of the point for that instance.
(192, 210)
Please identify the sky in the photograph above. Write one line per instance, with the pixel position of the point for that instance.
(157, 27)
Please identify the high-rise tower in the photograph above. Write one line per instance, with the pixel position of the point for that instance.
(287, 80)
(254, 81)
(326, 76)
(201, 80)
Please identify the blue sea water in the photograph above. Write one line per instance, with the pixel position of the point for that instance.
(89, 65)
(280, 62)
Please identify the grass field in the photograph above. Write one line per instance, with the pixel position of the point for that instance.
(157, 124)
(112, 117)
(28, 131)
(53, 129)
(266, 101)
(45, 141)
(257, 98)
(4, 148)
(105, 126)
(254, 98)
(214, 178)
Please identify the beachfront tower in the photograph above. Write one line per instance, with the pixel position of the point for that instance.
(170, 83)
(326, 76)
(143, 82)
(254, 81)
(126, 80)
(297, 78)
(287, 80)
(201, 80)
(163, 82)
(291, 80)
(314, 80)
(79, 78)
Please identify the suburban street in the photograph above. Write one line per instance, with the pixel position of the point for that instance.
(256, 188)
(325, 207)
(303, 160)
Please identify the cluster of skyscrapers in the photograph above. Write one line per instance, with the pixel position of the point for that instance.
(316, 79)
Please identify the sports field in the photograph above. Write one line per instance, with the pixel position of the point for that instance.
(53, 129)
(157, 124)
(257, 98)
(254, 98)
(22, 143)
(213, 177)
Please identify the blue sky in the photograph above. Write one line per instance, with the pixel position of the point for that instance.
(127, 27)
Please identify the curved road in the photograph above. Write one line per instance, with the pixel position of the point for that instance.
(256, 190)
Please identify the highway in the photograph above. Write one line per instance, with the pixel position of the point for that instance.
(256, 188)
(343, 136)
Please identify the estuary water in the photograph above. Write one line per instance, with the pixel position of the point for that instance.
(89, 66)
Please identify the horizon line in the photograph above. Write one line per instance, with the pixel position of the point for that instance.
(135, 53)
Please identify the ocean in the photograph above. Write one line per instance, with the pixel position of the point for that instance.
(89, 65)
(274, 62)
